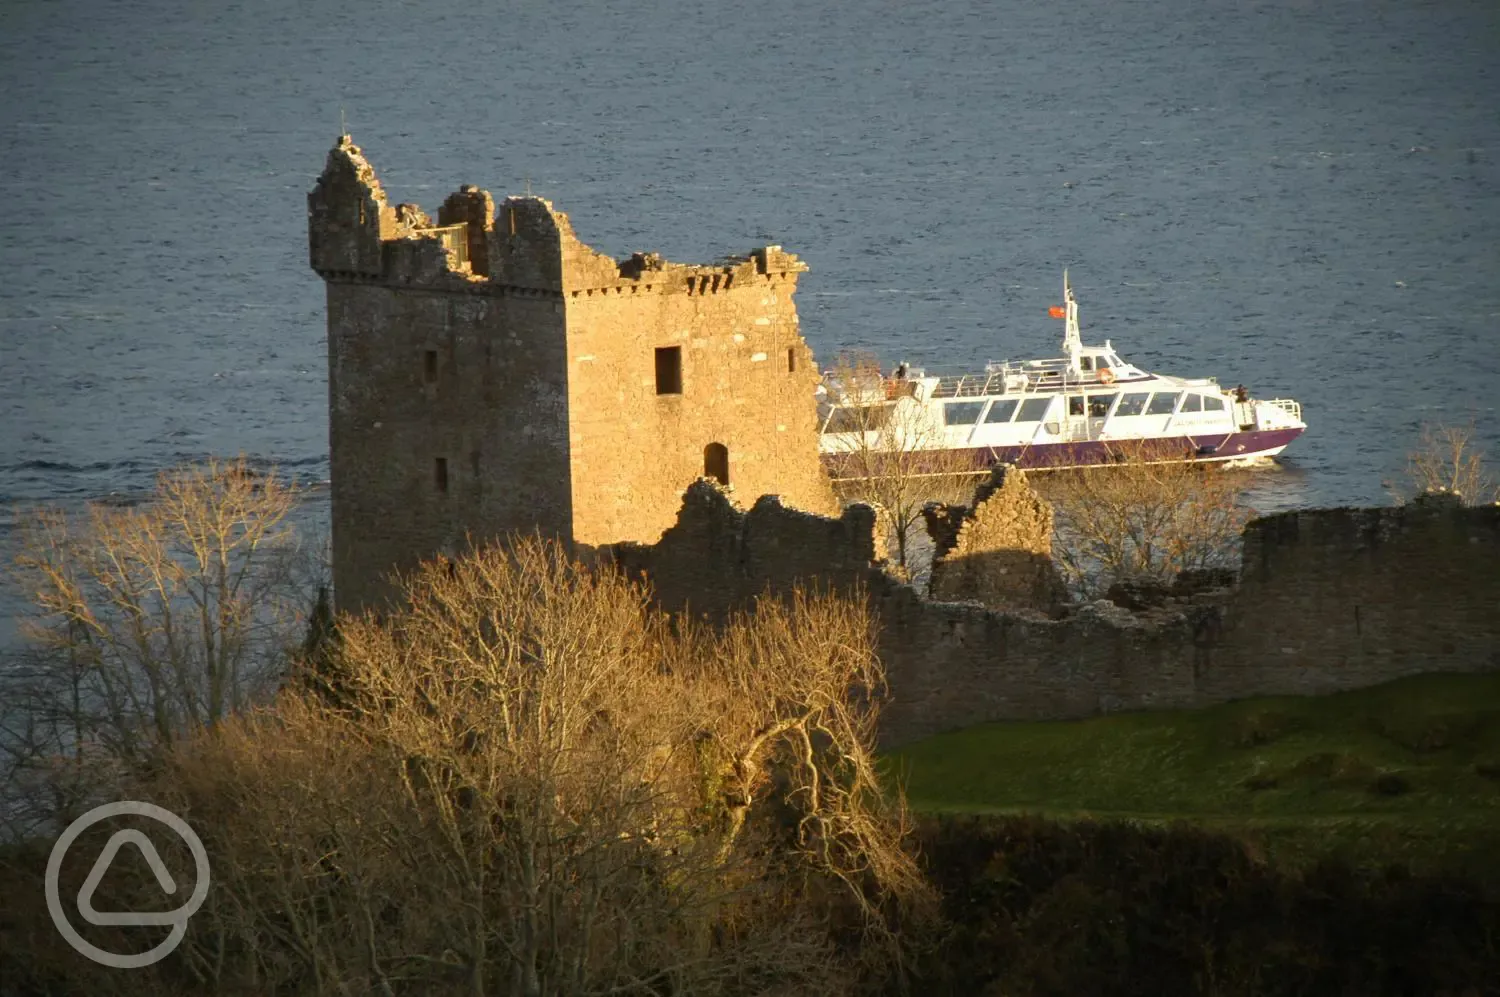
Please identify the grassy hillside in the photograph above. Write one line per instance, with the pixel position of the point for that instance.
(1408, 771)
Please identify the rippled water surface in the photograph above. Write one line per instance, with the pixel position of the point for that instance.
(1300, 196)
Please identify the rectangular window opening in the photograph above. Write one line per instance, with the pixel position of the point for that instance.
(669, 370)
(429, 367)
(791, 359)
(440, 474)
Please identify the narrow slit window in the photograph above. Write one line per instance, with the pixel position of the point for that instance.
(669, 370)
(440, 474)
(429, 366)
(791, 359)
(716, 462)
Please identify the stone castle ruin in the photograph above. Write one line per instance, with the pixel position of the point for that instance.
(489, 372)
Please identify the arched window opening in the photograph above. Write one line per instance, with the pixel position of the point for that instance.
(716, 462)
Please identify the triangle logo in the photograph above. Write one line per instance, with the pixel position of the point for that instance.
(101, 865)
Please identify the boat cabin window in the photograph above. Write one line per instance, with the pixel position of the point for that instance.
(1192, 402)
(962, 413)
(858, 419)
(1002, 410)
(1033, 409)
(1132, 404)
(1075, 405)
(1099, 405)
(1162, 403)
(1213, 403)
(1087, 363)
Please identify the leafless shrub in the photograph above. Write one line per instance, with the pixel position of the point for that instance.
(149, 622)
(1146, 517)
(1449, 458)
(538, 784)
(893, 457)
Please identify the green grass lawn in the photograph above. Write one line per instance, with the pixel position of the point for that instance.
(1408, 771)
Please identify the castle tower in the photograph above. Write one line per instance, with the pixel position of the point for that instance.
(490, 373)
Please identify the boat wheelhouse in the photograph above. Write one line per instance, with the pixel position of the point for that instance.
(1088, 408)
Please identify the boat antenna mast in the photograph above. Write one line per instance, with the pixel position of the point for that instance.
(1072, 341)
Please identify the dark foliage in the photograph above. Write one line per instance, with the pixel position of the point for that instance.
(317, 666)
(1040, 908)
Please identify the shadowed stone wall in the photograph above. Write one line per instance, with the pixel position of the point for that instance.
(1330, 599)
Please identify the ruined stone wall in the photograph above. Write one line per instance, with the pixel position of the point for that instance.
(1339, 598)
(747, 383)
(716, 556)
(1331, 600)
(998, 550)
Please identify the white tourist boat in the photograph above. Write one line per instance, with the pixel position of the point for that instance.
(1087, 408)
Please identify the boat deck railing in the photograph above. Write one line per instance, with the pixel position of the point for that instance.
(1014, 378)
(968, 385)
(1291, 408)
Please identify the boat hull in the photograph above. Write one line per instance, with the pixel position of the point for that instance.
(1202, 449)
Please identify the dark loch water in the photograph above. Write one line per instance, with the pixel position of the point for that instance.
(1300, 196)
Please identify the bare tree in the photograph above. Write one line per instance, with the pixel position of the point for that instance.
(1145, 517)
(537, 784)
(149, 621)
(892, 454)
(1449, 458)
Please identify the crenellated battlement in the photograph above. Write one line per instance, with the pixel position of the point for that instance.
(524, 243)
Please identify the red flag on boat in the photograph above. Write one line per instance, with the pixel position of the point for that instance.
(1057, 311)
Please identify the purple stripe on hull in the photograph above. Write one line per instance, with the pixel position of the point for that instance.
(1204, 449)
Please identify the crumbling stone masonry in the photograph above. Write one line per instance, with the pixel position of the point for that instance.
(1327, 600)
(999, 550)
(488, 372)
